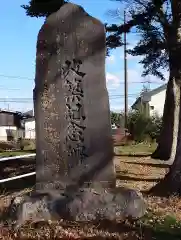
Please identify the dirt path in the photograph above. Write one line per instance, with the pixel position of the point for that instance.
(140, 173)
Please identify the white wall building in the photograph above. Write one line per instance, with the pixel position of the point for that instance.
(10, 125)
(6, 132)
(152, 101)
(30, 128)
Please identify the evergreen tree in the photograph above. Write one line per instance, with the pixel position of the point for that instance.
(38, 8)
(159, 25)
(157, 21)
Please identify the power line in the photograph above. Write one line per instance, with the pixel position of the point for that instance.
(154, 82)
(16, 77)
(20, 89)
(16, 100)
(30, 98)
(30, 101)
(10, 89)
(27, 78)
(122, 95)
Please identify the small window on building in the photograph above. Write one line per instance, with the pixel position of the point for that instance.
(152, 107)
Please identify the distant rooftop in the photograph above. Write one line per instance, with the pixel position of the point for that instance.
(29, 113)
(155, 91)
(9, 111)
(147, 95)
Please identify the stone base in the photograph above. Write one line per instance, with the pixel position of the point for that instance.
(85, 205)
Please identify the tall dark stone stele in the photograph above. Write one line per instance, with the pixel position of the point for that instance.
(75, 172)
(73, 131)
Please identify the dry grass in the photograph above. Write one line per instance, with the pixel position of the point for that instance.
(68, 230)
(142, 173)
(162, 221)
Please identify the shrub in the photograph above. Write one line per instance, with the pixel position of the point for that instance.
(153, 129)
(143, 128)
(26, 144)
(7, 145)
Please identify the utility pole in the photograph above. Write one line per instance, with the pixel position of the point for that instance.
(125, 79)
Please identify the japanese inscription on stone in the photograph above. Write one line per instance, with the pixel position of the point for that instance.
(75, 116)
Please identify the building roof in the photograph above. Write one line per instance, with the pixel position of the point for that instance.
(146, 96)
(135, 103)
(29, 113)
(8, 111)
(20, 114)
(156, 90)
(25, 115)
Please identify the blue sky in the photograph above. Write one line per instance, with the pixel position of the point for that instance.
(18, 49)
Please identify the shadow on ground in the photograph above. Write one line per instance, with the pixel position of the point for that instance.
(159, 165)
(131, 155)
(127, 178)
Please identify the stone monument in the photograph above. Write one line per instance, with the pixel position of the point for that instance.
(74, 151)
(71, 102)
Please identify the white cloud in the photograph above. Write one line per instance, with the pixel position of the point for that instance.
(111, 58)
(131, 57)
(112, 80)
(115, 81)
(134, 75)
(117, 109)
(132, 43)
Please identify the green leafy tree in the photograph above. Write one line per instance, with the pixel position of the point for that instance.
(142, 127)
(154, 127)
(115, 118)
(137, 125)
(159, 25)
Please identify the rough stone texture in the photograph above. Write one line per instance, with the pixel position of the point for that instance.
(86, 205)
(71, 102)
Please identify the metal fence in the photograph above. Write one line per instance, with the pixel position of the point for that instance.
(19, 176)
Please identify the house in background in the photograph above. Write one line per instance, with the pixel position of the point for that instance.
(29, 124)
(30, 128)
(11, 126)
(151, 102)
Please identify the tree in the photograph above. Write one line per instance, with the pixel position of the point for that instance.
(158, 22)
(115, 118)
(38, 8)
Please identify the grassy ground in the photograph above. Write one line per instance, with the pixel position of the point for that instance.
(134, 149)
(15, 153)
(138, 171)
